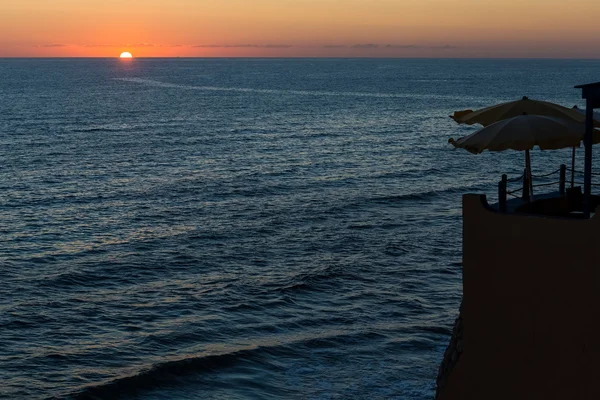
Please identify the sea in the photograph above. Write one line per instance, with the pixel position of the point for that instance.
(243, 228)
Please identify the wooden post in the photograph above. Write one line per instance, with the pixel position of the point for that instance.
(528, 173)
(502, 193)
(562, 179)
(591, 94)
(573, 168)
(526, 185)
(587, 168)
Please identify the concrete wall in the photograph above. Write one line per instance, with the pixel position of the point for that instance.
(531, 307)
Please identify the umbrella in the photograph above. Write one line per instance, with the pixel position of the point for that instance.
(460, 114)
(523, 132)
(582, 112)
(489, 115)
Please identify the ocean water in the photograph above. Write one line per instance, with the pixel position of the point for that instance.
(242, 229)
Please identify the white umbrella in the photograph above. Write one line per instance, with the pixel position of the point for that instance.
(524, 132)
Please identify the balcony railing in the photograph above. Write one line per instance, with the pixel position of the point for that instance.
(527, 186)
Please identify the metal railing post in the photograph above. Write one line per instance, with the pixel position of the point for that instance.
(502, 193)
(563, 178)
(526, 185)
(573, 168)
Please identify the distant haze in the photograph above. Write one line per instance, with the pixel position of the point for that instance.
(300, 28)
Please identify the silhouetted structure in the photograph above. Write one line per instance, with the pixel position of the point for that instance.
(527, 327)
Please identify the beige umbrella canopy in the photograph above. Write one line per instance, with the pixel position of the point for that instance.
(458, 115)
(523, 133)
(489, 115)
(582, 112)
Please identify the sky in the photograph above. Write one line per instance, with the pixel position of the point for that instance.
(300, 28)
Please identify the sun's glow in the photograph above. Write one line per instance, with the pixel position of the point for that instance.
(125, 54)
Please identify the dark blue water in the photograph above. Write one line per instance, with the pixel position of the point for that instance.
(210, 229)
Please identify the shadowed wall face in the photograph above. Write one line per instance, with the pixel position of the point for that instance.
(530, 287)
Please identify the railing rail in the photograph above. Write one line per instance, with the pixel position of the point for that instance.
(527, 186)
(581, 172)
(517, 179)
(548, 174)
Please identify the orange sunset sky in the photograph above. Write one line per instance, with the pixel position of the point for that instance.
(300, 28)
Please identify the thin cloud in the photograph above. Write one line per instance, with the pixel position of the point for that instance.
(225, 46)
(244, 46)
(141, 45)
(50, 45)
(152, 45)
(132, 45)
(359, 46)
(446, 46)
(365, 46)
(418, 46)
(403, 46)
(362, 46)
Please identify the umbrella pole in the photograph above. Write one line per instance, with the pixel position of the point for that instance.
(528, 168)
(573, 168)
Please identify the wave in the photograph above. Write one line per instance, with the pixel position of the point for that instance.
(160, 374)
(167, 372)
(425, 195)
(98, 129)
(310, 280)
(402, 198)
(152, 82)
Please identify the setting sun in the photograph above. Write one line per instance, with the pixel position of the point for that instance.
(125, 54)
